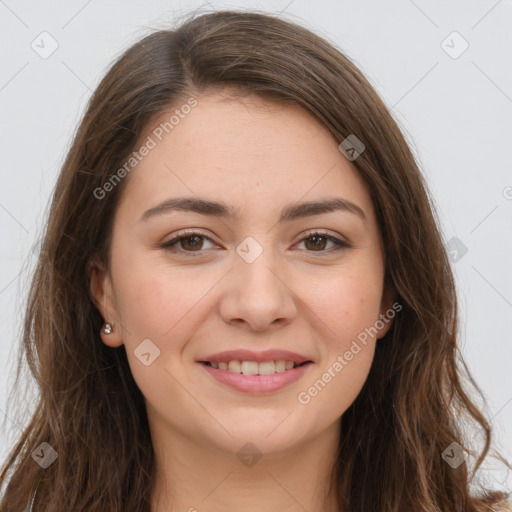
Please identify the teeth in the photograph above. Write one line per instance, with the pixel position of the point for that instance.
(247, 367)
(235, 366)
(280, 366)
(253, 367)
(266, 368)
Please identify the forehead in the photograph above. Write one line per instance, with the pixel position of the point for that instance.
(248, 152)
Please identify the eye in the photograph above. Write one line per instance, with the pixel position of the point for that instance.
(189, 242)
(320, 239)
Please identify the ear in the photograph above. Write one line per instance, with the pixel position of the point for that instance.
(387, 312)
(102, 294)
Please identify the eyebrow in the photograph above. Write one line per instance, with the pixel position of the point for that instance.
(219, 209)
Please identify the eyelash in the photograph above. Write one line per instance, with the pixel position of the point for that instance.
(169, 245)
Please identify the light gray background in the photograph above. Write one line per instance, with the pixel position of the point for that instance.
(456, 113)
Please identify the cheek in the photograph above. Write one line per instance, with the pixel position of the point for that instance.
(155, 299)
(348, 307)
(160, 305)
(347, 301)
(348, 304)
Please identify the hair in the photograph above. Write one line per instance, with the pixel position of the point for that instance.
(90, 410)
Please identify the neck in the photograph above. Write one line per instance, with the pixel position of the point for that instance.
(192, 477)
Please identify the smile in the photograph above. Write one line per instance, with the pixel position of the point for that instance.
(256, 377)
(255, 367)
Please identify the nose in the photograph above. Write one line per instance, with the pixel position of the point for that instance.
(258, 295)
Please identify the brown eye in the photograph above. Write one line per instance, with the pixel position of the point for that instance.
(191, 242)
(317, 241)
(187, 243)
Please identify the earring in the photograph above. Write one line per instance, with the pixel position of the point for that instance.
(108, 328)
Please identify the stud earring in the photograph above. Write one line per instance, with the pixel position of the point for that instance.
(108, 328)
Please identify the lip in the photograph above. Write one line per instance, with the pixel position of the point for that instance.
(257, 384)
(260, 357)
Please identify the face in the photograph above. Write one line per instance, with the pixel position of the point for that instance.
(254, 319)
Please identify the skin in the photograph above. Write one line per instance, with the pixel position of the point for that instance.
(257, 157)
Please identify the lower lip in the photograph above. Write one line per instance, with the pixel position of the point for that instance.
(257, 384)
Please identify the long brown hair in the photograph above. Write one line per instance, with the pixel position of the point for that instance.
(90, 410)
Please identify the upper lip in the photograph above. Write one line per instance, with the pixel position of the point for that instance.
(249, 355)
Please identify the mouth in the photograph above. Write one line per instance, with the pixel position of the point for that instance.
(255, 367)
(256, 373)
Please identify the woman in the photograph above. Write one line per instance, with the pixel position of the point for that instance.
(242, 300)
